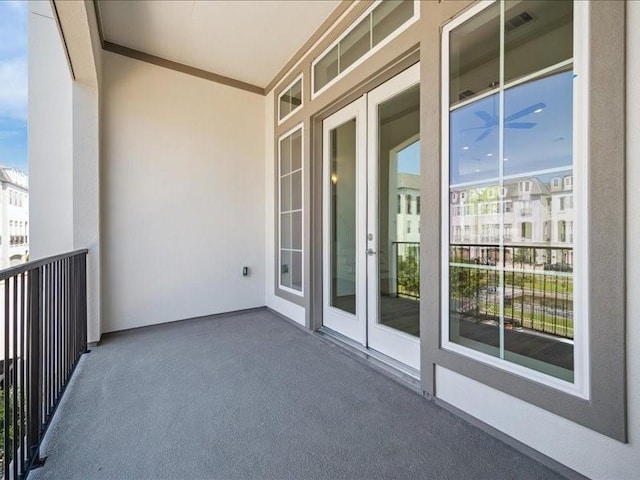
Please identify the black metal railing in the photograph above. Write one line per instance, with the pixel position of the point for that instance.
(407, 269)
(45, 333)
(536, 288)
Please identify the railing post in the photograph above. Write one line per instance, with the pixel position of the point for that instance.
(35, 370)
(83, 301)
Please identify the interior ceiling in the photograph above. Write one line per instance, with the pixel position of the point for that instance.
(248, 40)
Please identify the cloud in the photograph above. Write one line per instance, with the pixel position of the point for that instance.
(13, 29)
(13, 89)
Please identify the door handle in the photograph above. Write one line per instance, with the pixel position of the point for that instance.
(370, 252)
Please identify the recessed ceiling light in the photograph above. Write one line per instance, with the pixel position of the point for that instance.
(506, 159)
(477, 170)
(537, 111)
(489, 154)
(465, 148)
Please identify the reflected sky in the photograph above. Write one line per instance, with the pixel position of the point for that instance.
(409, 159)
(538, 131)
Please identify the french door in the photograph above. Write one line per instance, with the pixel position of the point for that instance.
(371, 212)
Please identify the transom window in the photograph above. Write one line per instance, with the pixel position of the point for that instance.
(290, 100)
(508, 116)
(378, 25)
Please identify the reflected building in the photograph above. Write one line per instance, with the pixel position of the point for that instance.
(14, 217)
(536, 214)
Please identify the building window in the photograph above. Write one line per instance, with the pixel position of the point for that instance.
(562, 231)
(290, 100)
(568, 182)
(418, 205)
(409, 201)
(499, 106)
(375, 27)
(290, 186)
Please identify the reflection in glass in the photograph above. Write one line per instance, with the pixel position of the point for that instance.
(296, 270)
(474, 56)
(285, 230)
(296, 230)
(295, 94)
(474, 307)
(355, 44)
(474, 141)
(285, 193)
(291, 99)
(398, 214)
(326, 69)
(538, 34)
(285, 105)
(296, 190)
(475, 215)
(511, 235)
(388, 16)
(296, 150)
(538, 131)
(285, 155)
(342, 151)
(285, 268)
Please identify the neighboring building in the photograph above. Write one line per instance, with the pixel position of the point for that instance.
(14, 217)
(408, 208)
(534, 213)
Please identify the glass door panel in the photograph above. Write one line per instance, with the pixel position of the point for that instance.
(344, 290)
(394, 218)
(342, 213)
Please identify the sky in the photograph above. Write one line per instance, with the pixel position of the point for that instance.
(409, 159)
(13, 84)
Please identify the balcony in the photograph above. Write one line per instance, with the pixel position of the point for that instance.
(181, 172)
(228, 397)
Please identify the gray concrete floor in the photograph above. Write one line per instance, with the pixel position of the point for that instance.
(252, 396)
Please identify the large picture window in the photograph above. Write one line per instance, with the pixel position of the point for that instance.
(290, 185)
(513, 245)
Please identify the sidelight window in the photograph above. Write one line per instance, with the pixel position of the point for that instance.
(290, 175)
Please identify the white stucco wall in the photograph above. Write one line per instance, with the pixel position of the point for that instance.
(182, 196)
(588, 452)
(86, 194)
(63, 144)
(50, 137)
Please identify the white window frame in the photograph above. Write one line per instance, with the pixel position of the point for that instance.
(354, 65)
(288, 88)
(581, 384)
(300, 293)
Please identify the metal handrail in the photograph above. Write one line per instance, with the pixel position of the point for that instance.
(24, 267)
(45, 334)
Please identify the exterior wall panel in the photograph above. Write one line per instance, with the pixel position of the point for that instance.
(182, 190)
(574, 445)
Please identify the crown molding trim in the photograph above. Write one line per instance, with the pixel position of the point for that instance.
(170, 64)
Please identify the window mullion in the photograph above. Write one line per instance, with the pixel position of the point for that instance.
(501, 174)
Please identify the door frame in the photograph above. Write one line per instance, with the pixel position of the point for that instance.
(364, 327)
(352, 326)
(389, 341)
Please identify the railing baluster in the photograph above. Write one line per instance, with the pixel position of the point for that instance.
(36, 344)
(23, 383)
(14, 407)
(5, 382)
